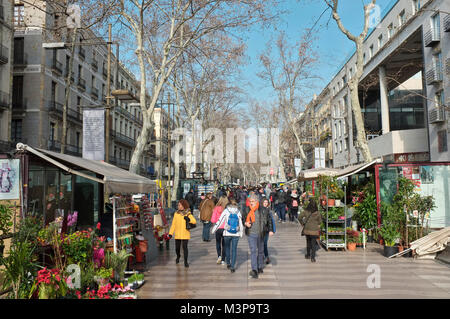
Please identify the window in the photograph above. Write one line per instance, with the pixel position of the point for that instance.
(336, 147)
(401, 18)
(350, 73)
(19, 15)
(78, 139)
(390, 31)
(364, 58)
(416, 6)
(439, 99)
(339, 129)
(52, 131)
(371, 51)
(442, 141)
(380, 41)
(340, 146)
(344, 79)
(436, 26)
(345, 144)
(437, 62)
(16, 130)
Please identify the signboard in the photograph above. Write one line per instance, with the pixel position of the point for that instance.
(412, 157)
(319, 157)
(9, 179)
(297, 165)
(94, 134)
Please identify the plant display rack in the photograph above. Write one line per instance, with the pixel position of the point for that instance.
(334, 233)
(123, 223)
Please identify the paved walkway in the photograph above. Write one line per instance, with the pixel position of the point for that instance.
(336, 274)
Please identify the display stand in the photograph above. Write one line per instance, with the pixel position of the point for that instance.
(334, 235)
(123, 223)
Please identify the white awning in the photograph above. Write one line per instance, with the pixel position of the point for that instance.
(115, 179)
(314, 173)
(350, 170)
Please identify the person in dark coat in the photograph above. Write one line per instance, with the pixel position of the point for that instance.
(311, 220)
(190, 197)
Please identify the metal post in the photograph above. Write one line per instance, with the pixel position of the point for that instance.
(169, 193)
(108, 97)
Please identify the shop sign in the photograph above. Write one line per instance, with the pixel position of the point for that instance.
(411, 157)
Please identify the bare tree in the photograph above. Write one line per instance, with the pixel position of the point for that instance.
(289, 73)
(354, 81)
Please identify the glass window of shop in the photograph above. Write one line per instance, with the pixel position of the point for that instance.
(86, 201)
(429, 179)
(49, 192)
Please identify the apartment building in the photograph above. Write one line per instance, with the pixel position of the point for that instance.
(404, 96)
(6, 36)
(39, 88)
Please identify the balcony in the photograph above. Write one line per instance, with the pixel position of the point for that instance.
(81, 84)
(54, 107)
(19, 107)
(125, 140)
(447, 23)
(4, 53)
(94, 65)
(82, 53)
(72, 75)
(431, 38)
(94, 92)
(70, 149)
(105, 73)
(399, 142)
(57, 67)
(4, 101)
(434, 76)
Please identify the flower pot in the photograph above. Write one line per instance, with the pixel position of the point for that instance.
(351, 246)
(390, 250)
(331, 202)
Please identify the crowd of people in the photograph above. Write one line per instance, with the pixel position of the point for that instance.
(253, 211)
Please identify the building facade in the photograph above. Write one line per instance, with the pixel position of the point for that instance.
(6, 50)
(39, 87)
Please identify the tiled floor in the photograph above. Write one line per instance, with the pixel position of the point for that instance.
(336, 274)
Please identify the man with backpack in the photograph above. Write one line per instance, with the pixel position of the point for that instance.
(233, 230)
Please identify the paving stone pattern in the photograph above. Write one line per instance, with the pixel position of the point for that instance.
(336, 274)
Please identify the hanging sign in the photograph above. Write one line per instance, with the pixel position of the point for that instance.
(94, 134)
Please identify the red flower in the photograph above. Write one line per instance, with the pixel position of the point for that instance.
(98, 226)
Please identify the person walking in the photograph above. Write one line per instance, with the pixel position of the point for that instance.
(220, 243)
(190, 197)
(280, 205)
(231, 218)
(266, 206)
(206, 208)
(293, 207)
(310, 218)
(182, 235)
(257, 223)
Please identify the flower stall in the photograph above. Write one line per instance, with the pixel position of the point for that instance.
(68, 242)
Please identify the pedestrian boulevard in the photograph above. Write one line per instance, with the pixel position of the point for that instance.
(336, 274)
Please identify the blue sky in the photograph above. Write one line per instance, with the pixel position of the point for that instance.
(332, 46)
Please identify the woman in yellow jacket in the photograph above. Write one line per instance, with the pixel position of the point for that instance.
(182, 235)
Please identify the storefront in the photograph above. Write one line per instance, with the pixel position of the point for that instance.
(430, 179)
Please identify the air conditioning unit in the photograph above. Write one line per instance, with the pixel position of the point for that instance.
(437, 115)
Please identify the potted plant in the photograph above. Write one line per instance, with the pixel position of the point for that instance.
(390, 236)
(6, 214)
(103, 275)
(118, 262)
(352, 239)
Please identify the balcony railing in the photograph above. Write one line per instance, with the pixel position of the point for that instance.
(4, 53)
(105, 73)
(19, 106)
(72, 75)
(431, 38)
(54, 106)
(4, 101)
(81, 84)
(120, 138)
(58, 109)
(434, 76)
(69, 149)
